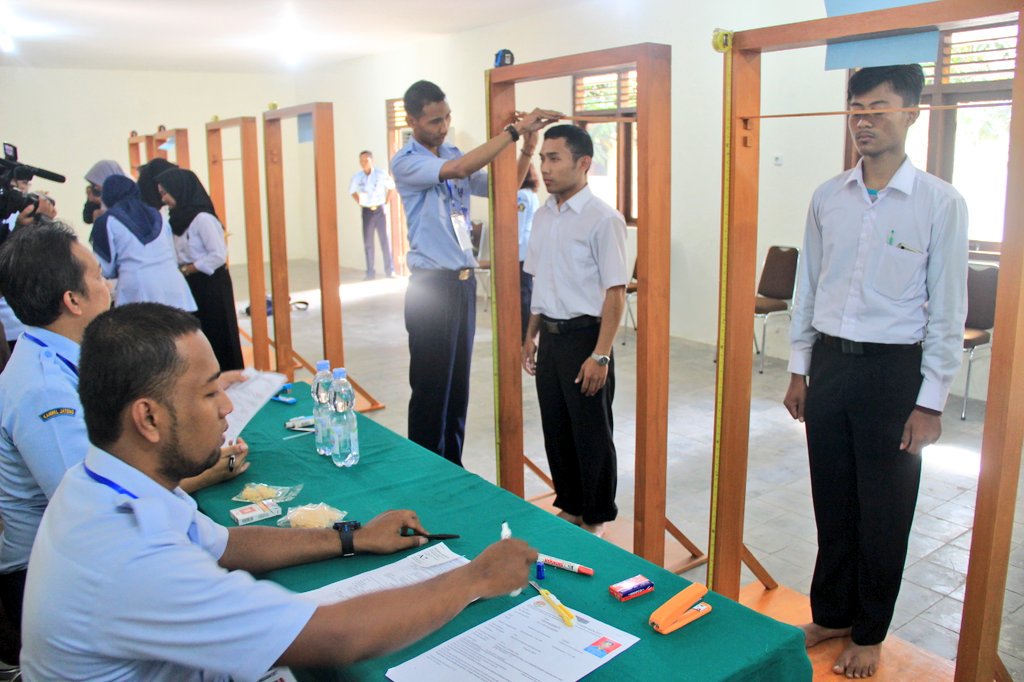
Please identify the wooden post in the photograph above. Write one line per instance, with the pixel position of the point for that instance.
(180, 137)
(253, 221)
(504, 259)
(736, 313)
(278, 241)
(1004, 430)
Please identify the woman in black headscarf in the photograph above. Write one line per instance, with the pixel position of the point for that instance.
(147, 180)
(202, 254)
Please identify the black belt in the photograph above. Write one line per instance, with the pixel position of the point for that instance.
(552, 326)
(848, 347)
(463, 274)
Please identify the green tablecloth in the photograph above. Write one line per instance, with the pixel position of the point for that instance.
(732, 643)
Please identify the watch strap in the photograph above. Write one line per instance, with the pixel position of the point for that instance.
(511, 130)
(346, 529)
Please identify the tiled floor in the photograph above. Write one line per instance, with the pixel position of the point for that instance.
(779, 520)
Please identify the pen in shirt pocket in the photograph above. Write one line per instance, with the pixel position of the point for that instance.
(903, 246)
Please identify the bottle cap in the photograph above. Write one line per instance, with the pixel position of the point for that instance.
(323, 365)
(339, 373)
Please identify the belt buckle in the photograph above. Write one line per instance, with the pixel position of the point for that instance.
(464, 274)
(851, 347)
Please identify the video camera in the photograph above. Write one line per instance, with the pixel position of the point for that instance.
(13, 200)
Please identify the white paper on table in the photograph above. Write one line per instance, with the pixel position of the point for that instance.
(281, 674)
(424, 565)
(248, 397)
(527, 642)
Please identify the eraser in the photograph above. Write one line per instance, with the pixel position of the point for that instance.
(631, 588)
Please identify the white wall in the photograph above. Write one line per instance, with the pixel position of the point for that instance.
(65, 120)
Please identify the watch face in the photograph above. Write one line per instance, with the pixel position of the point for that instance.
(347, 525)
(602, 360)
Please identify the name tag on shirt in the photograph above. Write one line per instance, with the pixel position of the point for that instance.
(461, 231)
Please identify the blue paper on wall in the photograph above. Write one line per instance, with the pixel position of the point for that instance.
(904, 49)
(305, 122)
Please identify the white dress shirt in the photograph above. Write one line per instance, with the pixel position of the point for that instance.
(577, 253)
(371, 187)
(892, 270)
(203, 244)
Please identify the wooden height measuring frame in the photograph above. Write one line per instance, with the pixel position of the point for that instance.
(253, 220)
(151, 144)
(654, 138)
(136, 144)
(326, 229)
(1003, 436)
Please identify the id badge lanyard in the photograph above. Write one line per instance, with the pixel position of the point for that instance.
(460, 223)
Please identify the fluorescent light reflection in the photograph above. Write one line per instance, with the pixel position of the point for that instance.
(953, 459)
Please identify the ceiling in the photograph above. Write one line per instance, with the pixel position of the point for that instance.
(229, 35)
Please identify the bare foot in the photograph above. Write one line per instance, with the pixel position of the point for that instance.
(814, 633)
(571, 518)
(594, 528)
(858, 660)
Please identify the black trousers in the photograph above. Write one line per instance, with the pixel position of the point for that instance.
(525, 297)
(440, 316)
(374, 221)
(12, 595)
(215, 303)
(577, 429)
(863, 486)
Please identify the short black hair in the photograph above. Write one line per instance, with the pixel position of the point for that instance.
(419, 95)
(906, 80)
(129, 352)
(37, 265)
(367, 152)
(576, 139)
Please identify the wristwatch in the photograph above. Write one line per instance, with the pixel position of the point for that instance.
(602, 360)
(345, 530)
(511, 130)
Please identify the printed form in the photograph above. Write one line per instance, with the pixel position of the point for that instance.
(527, 642)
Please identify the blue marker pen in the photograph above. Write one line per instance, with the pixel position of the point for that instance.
(892, 235)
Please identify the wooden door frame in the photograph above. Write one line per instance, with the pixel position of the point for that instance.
(246, 126)
(654, 122)
(977, 655)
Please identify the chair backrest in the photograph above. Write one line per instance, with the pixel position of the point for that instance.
(778, 276)
(981, 297)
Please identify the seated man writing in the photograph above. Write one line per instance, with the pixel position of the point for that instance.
(128, 580)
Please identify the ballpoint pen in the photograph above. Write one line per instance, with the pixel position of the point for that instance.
(409, 532)
(567, 616)
(506, 533)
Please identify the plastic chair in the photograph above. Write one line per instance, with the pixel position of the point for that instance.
(981, 317)
(775, 290)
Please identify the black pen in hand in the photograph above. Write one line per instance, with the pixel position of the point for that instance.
(409, 532)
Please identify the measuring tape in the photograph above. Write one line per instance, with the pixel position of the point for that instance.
(721, 40)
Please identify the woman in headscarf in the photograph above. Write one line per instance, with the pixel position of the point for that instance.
(133, 244)
(100, 171)
(147, 181)
(202, 254)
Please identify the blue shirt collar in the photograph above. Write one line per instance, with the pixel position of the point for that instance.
(156, 508)
(56, 342)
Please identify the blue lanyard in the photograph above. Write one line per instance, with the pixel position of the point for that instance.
(107, 482)
(63, 359)
(451, 200)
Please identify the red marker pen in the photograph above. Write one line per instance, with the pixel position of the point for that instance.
(565, 565)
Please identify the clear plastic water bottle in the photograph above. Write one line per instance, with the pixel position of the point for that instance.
(321, 390)
(344, 429)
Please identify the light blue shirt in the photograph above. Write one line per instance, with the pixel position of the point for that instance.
(429, 203)
(371, 187)
(145, 272)
(527, 204)
(12, 325)
(130, 589)
(42, 434)
(892, 270)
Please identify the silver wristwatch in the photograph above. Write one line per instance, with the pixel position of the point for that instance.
(602, 360)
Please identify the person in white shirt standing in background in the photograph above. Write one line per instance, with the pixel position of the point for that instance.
(371, 188)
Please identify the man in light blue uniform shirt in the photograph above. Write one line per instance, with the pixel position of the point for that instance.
(371, 189)
(129, 581)
(54, 284)
(435, 181)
